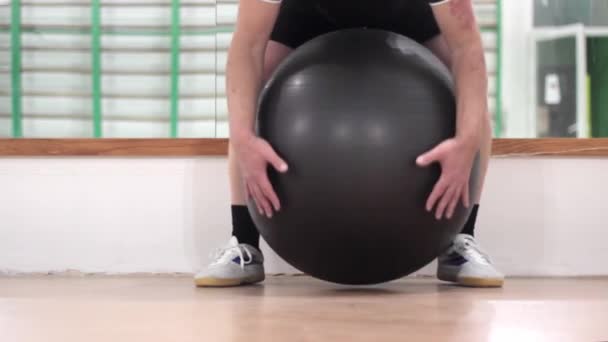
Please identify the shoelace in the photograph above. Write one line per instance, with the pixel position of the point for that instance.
(220, 254)
(474, 251)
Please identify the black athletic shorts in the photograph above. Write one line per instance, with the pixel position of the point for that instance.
(301, 20)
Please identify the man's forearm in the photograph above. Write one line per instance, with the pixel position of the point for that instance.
(470, 74)
(245, 63)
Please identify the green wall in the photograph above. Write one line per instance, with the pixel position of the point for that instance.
(561, 12)
(559, 52)
(598, 72)
(564, 12)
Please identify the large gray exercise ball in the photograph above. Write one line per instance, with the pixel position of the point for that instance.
(350, 111)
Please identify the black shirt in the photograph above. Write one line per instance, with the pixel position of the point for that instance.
(301, 20)
(367, 12)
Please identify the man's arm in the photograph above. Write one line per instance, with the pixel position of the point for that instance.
(459, 29)
(255, 21)
(244, 72)
(458, 25)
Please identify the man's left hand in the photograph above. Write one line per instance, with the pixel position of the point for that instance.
(455, 156)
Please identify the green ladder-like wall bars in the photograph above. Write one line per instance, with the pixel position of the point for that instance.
(175, 32)
(16, 68)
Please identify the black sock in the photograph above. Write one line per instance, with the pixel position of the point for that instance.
(469, 227)
(243, 227)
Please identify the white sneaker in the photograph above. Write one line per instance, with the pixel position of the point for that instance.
(466, 264)
(234, 264)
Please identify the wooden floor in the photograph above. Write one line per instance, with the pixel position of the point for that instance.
(150, 309)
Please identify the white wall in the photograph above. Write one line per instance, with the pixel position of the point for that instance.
(541, 216)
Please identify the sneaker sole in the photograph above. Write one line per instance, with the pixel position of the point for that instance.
(222, 282)
(480, 282)
(471, 281)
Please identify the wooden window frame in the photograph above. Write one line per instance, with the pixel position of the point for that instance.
(219, 147)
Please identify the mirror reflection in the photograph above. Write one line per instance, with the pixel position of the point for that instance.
(157, 69)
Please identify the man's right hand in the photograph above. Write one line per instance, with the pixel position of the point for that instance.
(253, 156)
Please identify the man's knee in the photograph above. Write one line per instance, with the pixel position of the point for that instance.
(440, 49)
(275, 54)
